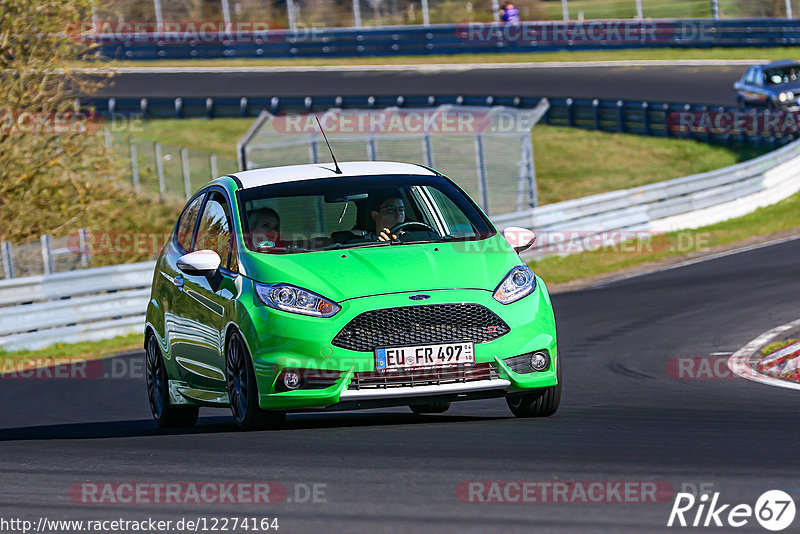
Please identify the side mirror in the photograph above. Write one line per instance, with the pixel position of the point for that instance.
(519, 238)
(199, 263)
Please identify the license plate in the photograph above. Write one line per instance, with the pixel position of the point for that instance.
(425, 356)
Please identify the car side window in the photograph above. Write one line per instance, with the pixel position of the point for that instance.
(187, 220)
(750, 77)
(214, 232)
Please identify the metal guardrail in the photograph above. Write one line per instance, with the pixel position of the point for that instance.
(624, 116)
(688, 202)
(107, 301)
(85, 305)
(457, 38)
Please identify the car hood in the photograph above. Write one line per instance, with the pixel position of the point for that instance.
(350, 273)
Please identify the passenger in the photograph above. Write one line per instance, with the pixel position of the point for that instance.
(265, 227)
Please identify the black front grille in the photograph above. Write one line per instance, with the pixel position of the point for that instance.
(420, 325)
(422, 377)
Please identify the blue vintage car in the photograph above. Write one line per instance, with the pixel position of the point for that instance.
(774, 85)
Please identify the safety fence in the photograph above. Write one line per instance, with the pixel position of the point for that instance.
(109, 301)
(713, 124)
(468, 37)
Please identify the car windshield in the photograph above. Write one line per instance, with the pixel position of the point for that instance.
(351, 212)
(782, 75)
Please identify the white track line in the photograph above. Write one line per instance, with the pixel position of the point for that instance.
(739, 363)
(434, 67)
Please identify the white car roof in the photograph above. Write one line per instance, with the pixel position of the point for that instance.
(294, 173)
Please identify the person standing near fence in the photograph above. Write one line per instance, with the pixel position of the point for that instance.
(509, 13)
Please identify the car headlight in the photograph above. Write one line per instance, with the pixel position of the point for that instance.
(785, 97)
(293, 299)
(518, 283)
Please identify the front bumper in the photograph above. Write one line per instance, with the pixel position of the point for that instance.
(287, 341)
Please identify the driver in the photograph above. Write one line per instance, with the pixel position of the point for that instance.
(387, 212)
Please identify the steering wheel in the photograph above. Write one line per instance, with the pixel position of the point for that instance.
(402, 227)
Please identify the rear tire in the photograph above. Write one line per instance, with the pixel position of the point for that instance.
(540, 403)
(166, 415)
(431, 407)
(243, 389)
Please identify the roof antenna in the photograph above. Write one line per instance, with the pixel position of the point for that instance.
(338, 170)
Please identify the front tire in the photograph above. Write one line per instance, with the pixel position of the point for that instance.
(540, 403)
(243, 389)
(166, 415)
(431, 407)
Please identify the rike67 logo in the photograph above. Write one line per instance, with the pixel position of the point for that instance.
(774, 510)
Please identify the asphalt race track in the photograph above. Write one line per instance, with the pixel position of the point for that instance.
(711, 85)
(622, 419)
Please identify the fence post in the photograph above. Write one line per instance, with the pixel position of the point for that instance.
(83, 243)
(160, 170)
(715, 8)
(187, 184)
(107, 138)
(481, 164)
(356, 14)
(372, 150)
(313, 153)
(426, 16)
(639, 14)
(135, 166)
(564, 10)
(621, 116)
(8, 259)
(47, 254)
(646, 110)
(427, 150)
(290, 12)
(226, 15)
(212, 163)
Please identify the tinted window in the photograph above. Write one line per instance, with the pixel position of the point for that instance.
(187, 220)
(214, 232)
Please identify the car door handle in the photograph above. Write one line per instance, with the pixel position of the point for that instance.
(178, 281)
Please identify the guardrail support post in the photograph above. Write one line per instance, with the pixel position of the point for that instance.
(598, 124)
(356, 14)
(135, 167)
(160, 170)
(8, 259)
(570, 112)
(83, 243)
(426, 16)
(715, 8)
(483, 186)
(646, 111)
(47, 254)
(187, 184)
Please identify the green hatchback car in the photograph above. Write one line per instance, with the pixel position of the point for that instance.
(369, 284)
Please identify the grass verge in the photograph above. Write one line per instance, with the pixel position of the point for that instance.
(657, 54)
(67, 353)
(778, 345)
